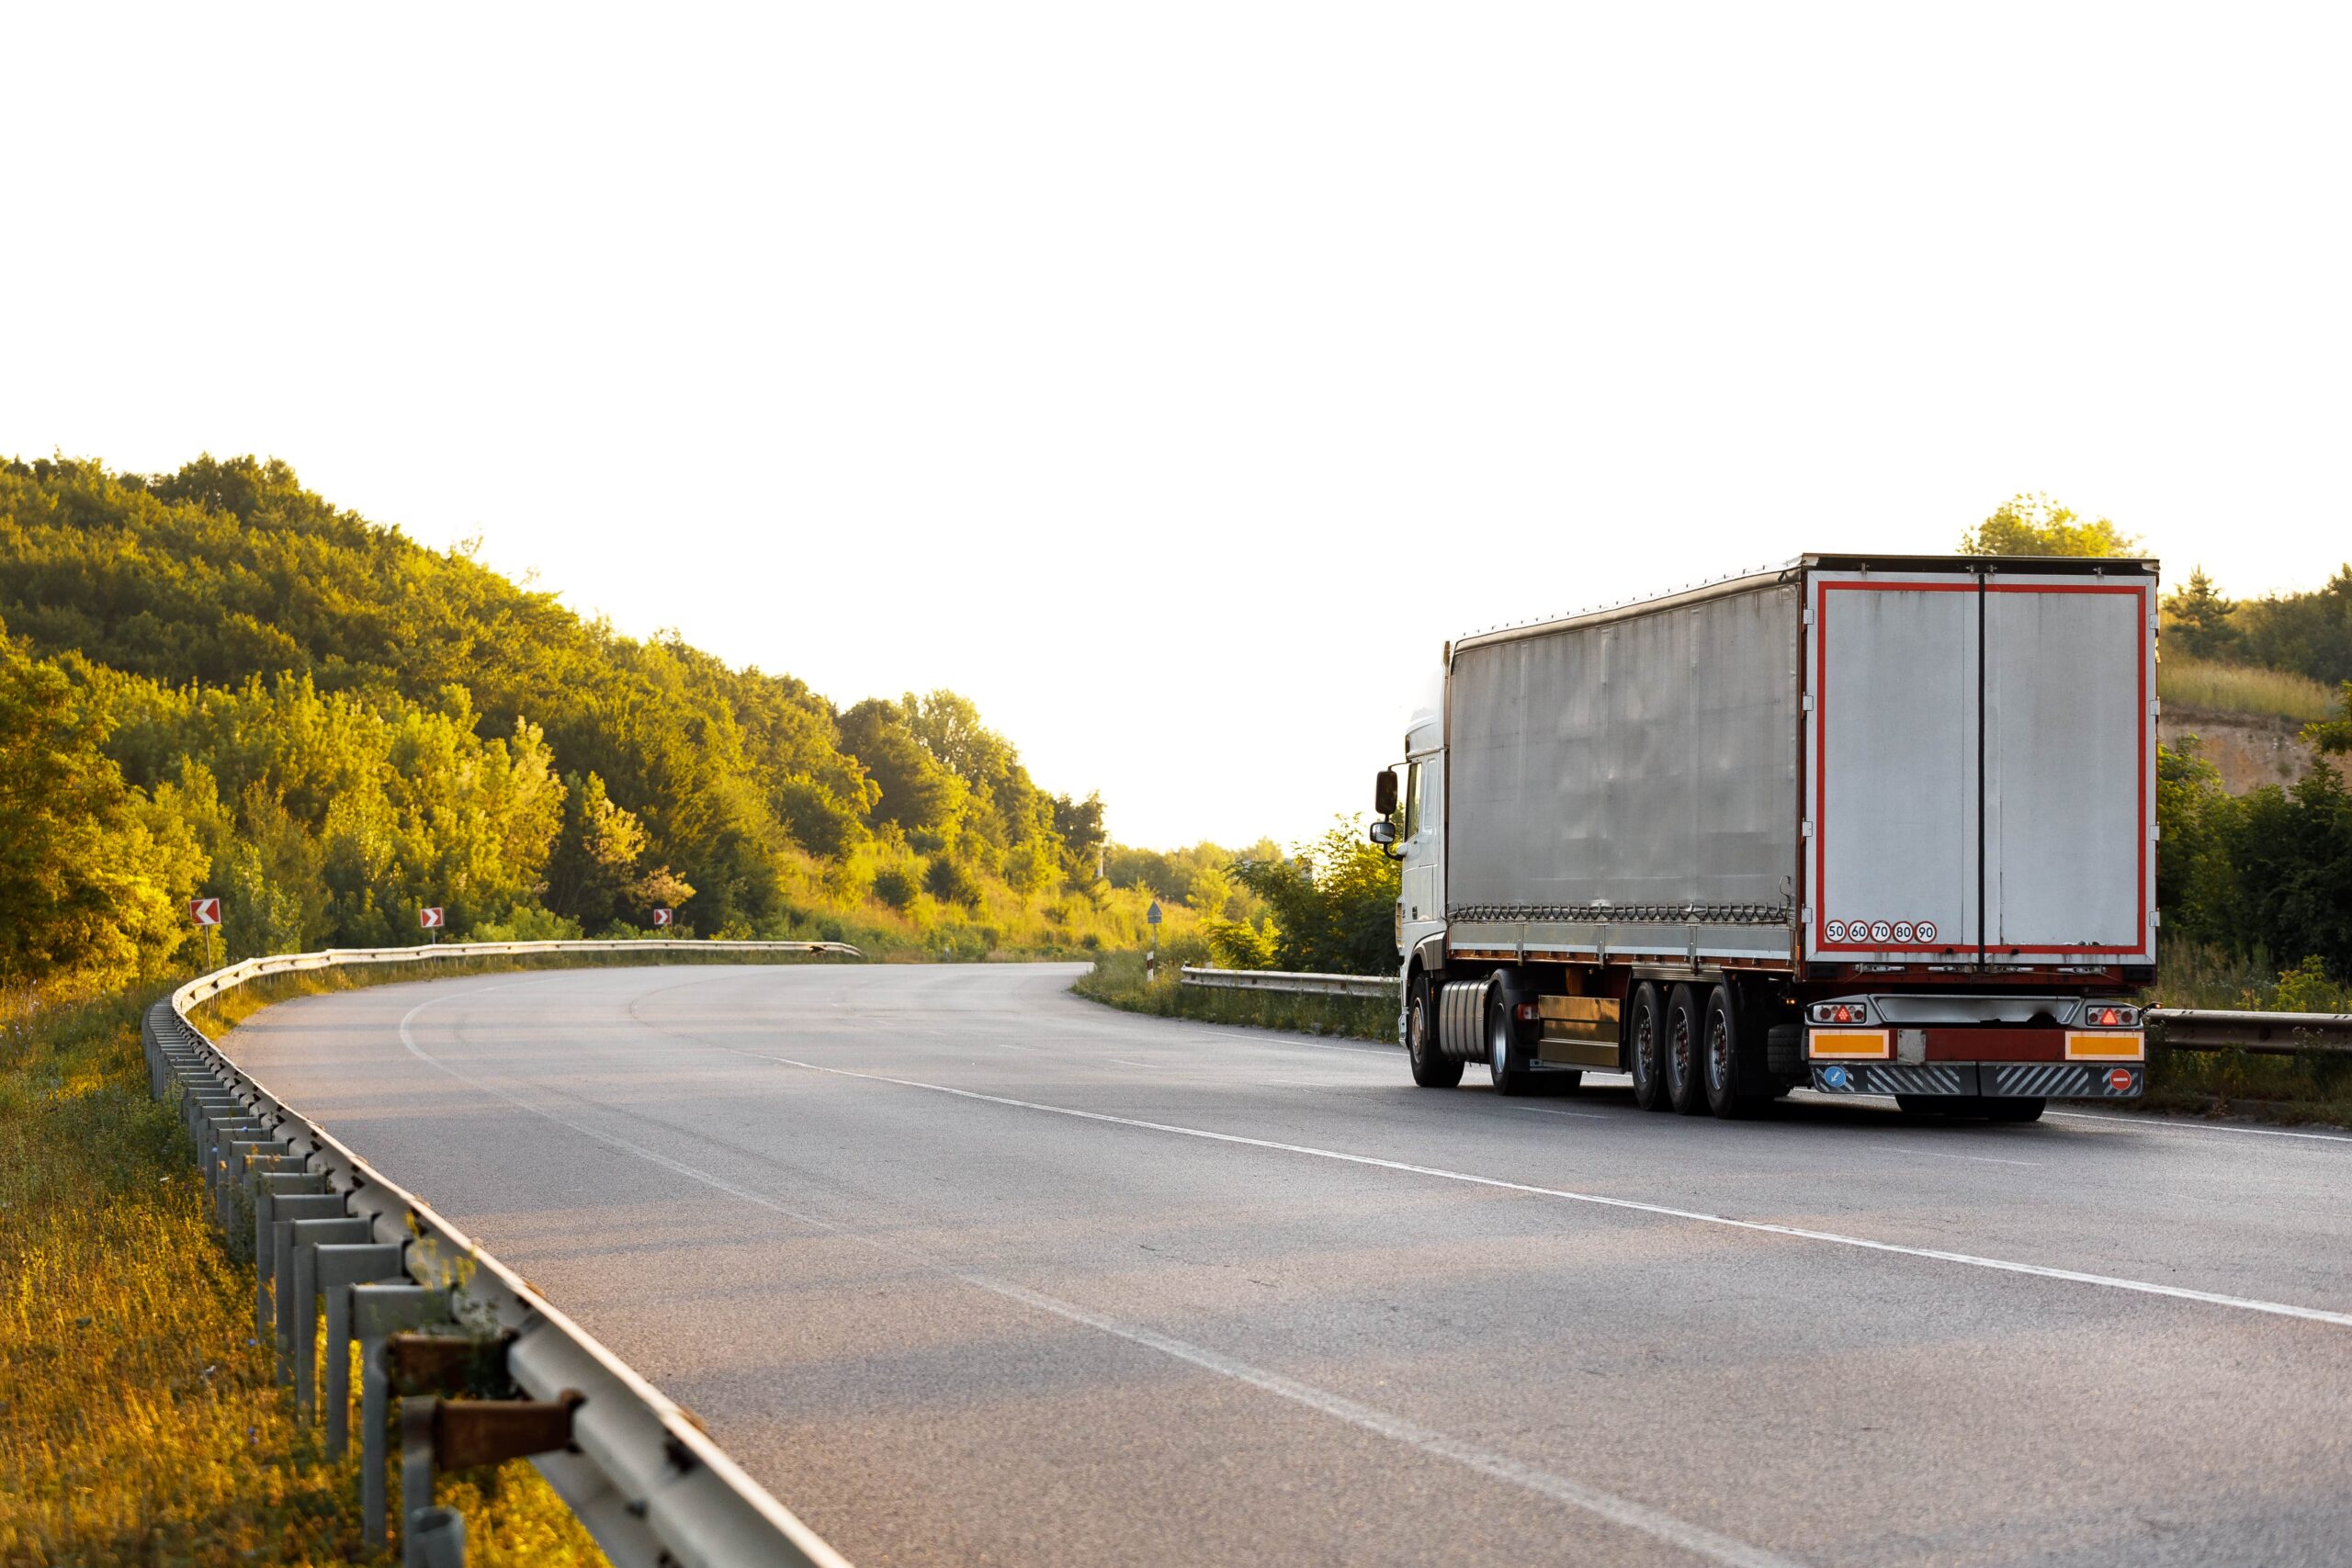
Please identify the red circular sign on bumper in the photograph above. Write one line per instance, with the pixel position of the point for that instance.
(2119, 1079)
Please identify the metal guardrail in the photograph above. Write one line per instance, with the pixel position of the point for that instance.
(1290, 981)
(2181, 1029)
(636, 1467)
(2271, 1033)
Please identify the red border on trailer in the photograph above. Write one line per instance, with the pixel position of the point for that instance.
(1821, 769)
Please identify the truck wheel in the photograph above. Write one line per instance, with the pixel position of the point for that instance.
(1685, 1036)
(1644, 1047)
(1431, 1067)
(1723, 1046)
(2010, 1109)
(1506, 1057)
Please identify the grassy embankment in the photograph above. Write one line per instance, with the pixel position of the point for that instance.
(1117, 979)
(2242, 688)
(140, 1422)
(2285, 1089)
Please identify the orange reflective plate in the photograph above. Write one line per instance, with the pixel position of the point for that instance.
(1870, 1043)
(2106, 1046)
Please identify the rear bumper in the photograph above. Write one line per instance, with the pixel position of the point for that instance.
(2029, 1080)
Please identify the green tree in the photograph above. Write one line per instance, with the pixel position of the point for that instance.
(1333, 904)
(918, 794)
(1079, 825)
(593, 874)
(2198, 620)
(2333, 737)
(2308, 633)
(2034, 526)
(91, 876)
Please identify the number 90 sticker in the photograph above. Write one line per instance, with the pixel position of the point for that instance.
(1925, 931)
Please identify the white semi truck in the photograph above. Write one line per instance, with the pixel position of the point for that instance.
(1878, 826)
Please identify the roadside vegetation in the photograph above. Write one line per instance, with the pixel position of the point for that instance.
(140, 1422)
(1329, 907)
(2185, 681)
(1117, 978)
(215, 682)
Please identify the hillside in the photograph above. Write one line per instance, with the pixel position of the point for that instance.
(244, 690)
(2247, 722)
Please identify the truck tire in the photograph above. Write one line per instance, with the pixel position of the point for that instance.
(1507, 1059)
(1725, 1050)
(1644, 1042)
(1686, 1025)
(1431, 1067)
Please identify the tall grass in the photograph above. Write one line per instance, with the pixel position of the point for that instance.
(2242, 688)
(140, 1422)
(1117, 979)
(2291, 1088)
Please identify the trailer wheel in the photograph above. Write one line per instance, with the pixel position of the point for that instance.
(1506, 1057)
(1431, 1067)
(1685, 1045)
(1722, 1058)
(1644, 1047)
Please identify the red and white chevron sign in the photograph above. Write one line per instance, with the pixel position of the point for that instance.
(204, 911)
(430, 917)
(660, 917)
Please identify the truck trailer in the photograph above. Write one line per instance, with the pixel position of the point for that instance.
(1863, 825)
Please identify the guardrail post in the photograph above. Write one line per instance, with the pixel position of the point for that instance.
(339, 1268)
(416, 1473)
(285, 1213)
(267, 1189)
(440, 1433)
(440, 1537)
(377, 1312)
(304, 1238)
(242, 1128)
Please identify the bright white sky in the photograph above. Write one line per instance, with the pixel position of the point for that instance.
(1173, 380)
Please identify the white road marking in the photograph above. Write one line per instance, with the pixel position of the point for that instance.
(2152, 1122)
(1548, 1110)
(1762, 1227)
(1696, 1540)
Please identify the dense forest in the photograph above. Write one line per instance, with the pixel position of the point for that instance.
(214, 681)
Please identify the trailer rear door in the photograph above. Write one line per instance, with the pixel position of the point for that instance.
(1893, 763)
(2068, 754)
(1979, 757)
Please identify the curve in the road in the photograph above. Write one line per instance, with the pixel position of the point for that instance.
(959, 1202)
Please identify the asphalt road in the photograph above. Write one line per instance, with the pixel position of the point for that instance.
(966, 1269)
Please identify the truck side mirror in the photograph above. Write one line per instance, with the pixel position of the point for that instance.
(1383, 832)
(1384, 794)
